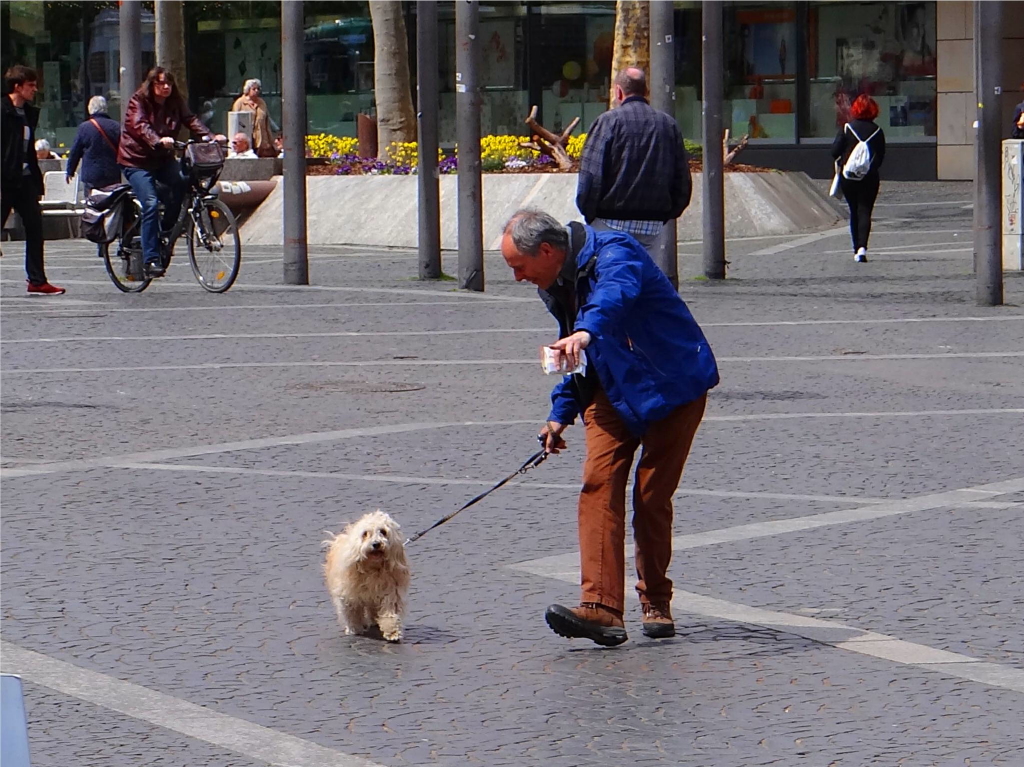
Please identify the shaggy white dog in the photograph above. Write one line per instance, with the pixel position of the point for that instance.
(367, 576)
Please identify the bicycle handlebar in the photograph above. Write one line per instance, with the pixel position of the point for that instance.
(183, 144)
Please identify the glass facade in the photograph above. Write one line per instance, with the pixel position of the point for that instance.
(791, 69)
(884, 49)
(74, 49)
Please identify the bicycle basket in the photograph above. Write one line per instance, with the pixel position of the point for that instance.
(205, 157)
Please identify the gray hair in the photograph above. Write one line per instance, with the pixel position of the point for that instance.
(249, 85)
(530, 228)
(633, 81)
(97, 105)
(42, 144)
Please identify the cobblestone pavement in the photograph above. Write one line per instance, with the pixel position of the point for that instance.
(849, 530)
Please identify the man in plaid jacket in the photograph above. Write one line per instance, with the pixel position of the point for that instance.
(634, 175)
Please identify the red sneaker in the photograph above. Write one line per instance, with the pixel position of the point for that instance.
(46, 289)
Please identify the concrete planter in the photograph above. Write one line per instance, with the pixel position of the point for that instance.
(381, 210)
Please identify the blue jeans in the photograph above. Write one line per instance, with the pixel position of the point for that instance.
(143, 184)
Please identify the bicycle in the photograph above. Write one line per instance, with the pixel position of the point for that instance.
(214, 247)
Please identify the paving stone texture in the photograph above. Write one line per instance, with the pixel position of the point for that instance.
(139, 544)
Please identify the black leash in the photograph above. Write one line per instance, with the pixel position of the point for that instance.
(533, 461)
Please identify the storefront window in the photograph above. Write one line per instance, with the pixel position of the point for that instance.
(761, 72)
(687, 32)
(339, 67)
(234, 42)
(74, 49)
(886, 50)
(502, 78)
(571, 59)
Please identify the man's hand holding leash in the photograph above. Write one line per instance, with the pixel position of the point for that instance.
(550, 437)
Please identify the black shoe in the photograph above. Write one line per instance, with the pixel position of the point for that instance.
(588, 621)
(166, 247)
(154, 269)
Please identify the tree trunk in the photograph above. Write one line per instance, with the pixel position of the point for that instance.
(396, 118)
(169, 16)
(632, 39)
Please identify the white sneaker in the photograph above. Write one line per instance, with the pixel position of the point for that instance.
(861, 256)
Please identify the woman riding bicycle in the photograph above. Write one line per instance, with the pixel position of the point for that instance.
(154, 116)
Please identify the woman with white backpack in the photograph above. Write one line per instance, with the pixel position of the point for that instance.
(859, 150)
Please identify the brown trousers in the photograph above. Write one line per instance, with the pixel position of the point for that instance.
(602, 505)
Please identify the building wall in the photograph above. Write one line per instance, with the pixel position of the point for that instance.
(955, 85)
(956, 102)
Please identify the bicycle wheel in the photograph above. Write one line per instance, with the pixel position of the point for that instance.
(118, 262)
(214, 248)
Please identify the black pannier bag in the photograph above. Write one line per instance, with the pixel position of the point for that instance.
(104, 213)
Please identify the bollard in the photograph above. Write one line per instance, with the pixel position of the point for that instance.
(13, 723)
(366, 135)
(1013, 205)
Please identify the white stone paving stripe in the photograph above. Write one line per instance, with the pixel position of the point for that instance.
(246, 444)
(810, 239)
(41, 301)
(259, 743)
(892, 321)
(473, 331)
(568, 563)
(904, 251)
(866, 414)
(489, 362)
(839, 635)
(156, 456)
(463, 294)
(233, 336)
(927, 204)
(405, 480)
(52, 306)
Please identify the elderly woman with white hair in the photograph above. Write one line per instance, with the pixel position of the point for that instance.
(262, 127)
(95, 146)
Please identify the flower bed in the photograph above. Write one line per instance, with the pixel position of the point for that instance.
(337, 156)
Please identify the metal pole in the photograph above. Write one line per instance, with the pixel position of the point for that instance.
(293, 112)
(130, 34)
(663, 97)
(712, 64)
(988, 260)
(467, 133)
(427, 88)
(169, 16)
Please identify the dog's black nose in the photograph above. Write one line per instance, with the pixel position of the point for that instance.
(376, 545)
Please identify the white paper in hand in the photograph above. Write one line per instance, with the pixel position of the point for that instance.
(553, 361)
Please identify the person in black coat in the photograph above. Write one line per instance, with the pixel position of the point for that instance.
(22, 184)
(95, 146)
(861, 194)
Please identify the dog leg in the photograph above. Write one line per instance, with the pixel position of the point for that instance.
(388, 617)
(352, 617)
(390, 626)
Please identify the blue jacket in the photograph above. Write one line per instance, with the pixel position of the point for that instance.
(648, 351)
(99, 160)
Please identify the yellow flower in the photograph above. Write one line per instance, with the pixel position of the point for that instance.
(575, 146)
(494, 150)
(325, 145)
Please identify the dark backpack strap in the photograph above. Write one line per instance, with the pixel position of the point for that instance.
(577, 239)
(104, 134)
